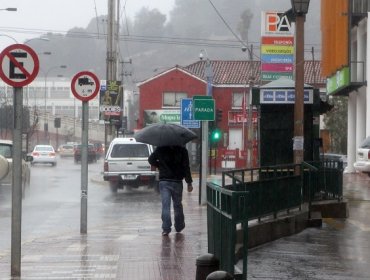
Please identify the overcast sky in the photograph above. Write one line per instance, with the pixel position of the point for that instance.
(60, 15)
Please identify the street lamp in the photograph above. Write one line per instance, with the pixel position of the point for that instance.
(9, 9)
(208, 71)
(300, 9)
(45, 96)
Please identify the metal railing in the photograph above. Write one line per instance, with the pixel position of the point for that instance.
(258, 192)
(225, 210)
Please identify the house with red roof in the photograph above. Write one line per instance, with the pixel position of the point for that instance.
(160, 98)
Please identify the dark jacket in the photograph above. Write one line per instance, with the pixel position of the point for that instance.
(172, 162)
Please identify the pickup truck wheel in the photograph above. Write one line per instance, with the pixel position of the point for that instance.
(113, 187)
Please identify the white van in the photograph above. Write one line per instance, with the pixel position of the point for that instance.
(126, 164)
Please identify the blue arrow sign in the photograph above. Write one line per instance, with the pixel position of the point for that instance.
(187, 116)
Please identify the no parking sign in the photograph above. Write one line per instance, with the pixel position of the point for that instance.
(19, 65)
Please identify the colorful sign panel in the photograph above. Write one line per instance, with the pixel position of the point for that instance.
(111, 103)
(283, 96)
(338, 81)
(277, 46)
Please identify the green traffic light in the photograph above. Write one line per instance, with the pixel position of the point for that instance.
(216, 135)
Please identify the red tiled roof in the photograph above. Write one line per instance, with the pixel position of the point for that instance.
(239, 72)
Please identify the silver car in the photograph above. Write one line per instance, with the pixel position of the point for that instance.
(6, 163)
(363, 157)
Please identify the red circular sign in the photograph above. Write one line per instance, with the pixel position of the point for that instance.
(19, 65)
(85, 85)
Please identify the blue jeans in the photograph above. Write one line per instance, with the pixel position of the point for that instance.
(172, 190)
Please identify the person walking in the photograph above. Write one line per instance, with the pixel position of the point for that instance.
(173, 165)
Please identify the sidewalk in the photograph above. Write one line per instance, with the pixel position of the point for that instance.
(128, 248)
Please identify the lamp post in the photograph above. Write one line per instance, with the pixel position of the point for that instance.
(45, 98)
(204, 133)
(9, 9)
(300, 9)
(208, 71)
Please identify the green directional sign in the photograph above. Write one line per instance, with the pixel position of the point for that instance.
(204, 109)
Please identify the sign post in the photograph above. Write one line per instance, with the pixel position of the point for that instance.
(204, 110)
(19, 67)
(85, 86)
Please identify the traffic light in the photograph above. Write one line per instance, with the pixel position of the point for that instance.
(216, 135)
(57, 122)
(218, 115)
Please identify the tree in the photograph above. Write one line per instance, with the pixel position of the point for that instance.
(336, 122)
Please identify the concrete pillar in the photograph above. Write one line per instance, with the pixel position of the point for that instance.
(206, 264)
(361, 93)
(360, 115)
(367, 79)
(351, 139)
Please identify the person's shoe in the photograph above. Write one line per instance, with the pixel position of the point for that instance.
(179, 229)
(165, 233)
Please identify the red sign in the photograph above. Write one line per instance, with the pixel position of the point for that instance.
(278, 41)
(19, 65)
(277, 67)
(85, 85)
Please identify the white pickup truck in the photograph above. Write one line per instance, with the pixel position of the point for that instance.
(126, 164)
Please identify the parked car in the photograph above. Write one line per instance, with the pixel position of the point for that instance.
(66, 150)
(44, 154)
(91, 153)
(126, 164)
(363, 157)
(6, 161)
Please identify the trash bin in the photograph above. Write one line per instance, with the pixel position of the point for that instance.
(219, 275)
(206, 264)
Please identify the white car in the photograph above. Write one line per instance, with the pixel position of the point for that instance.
(44, 154)
(363, 157)
(6, 162)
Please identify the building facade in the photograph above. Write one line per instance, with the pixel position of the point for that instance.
(231, 84)
(344, 63)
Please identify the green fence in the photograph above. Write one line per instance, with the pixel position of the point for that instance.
(225, 210)
(248, 194)
(325, 181)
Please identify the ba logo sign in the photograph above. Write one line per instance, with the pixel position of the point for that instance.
(276, 23)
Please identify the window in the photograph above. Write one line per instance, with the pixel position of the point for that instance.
(129, 151)
(6, 150)
(172, 99)
(237, 99)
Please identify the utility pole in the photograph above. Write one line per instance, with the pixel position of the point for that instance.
(250, 109)
(112, 40)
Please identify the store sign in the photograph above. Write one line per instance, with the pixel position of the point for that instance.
(277, 46)
(161, 116)
(338, 81)
(283, 96)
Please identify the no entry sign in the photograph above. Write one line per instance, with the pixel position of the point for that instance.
(19, 65)
(85, 85)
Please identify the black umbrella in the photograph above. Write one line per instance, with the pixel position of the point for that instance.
(165, 134)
